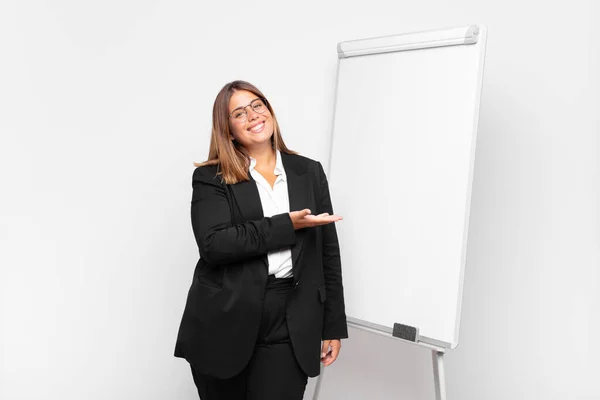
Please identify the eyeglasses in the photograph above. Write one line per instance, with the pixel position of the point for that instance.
(258, 106)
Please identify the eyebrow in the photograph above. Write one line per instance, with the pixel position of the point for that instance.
(231, 112)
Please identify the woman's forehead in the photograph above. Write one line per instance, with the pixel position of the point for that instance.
(241, 98)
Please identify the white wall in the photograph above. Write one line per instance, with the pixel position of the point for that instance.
(104, 106)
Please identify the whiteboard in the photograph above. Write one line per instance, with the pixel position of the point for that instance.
(401, 167)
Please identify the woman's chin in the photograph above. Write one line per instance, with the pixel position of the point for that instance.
(261, 140)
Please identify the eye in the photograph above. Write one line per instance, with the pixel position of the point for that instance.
(238, 114)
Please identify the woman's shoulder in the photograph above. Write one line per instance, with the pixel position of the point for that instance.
(206, 173)
(302, 162)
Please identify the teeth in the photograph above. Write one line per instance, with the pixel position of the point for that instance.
(258, 127)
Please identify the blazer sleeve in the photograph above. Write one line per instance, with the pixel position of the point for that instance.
(221, 242)
(334, 320)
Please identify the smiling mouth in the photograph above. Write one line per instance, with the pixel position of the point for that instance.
(258, 128)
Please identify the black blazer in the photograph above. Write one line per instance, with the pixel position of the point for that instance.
(220, 323)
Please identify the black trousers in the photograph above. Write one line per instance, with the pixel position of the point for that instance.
(273, 372)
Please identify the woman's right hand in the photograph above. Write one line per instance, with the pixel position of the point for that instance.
(303, 219)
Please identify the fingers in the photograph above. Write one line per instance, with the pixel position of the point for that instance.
(336, 346)
(324, 349)
(300, 214)
(332, 355)
(304, 219)
(322, 219)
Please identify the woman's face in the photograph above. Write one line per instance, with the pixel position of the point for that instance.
(257, 129)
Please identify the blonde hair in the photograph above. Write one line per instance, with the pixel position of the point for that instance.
(231, 157)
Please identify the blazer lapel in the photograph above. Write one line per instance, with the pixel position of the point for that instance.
(247, 200)
(299, 194)
(249, 208)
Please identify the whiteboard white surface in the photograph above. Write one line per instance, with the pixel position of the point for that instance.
(400, 174)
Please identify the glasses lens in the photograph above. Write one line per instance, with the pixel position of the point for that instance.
(239, 115)
(259, 106)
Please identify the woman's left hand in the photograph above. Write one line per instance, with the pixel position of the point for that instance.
(330, 351)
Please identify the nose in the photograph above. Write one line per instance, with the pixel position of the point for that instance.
(252, 115)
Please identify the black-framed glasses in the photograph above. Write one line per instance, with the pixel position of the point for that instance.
(258, 106)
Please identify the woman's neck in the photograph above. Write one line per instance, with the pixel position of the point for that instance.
(265, 156)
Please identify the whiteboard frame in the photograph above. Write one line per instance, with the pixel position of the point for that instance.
(464, 35)
(410, 41)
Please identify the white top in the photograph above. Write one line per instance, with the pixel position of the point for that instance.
(275, 201)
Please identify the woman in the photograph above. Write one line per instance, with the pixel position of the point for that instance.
(268, 286)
